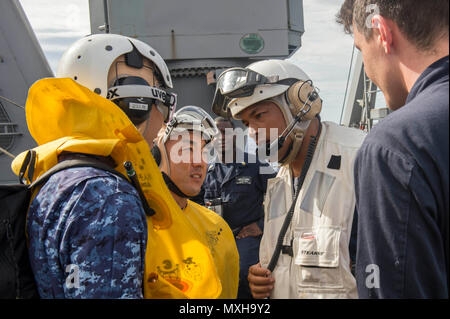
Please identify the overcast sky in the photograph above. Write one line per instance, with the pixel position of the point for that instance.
(325, 53)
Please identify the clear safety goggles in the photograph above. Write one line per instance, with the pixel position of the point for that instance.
(237, 83)
(241, 82)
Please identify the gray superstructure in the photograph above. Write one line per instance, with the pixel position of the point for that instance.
(22, 62)
(200, 38)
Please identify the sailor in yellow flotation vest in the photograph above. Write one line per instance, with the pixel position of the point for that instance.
(108, 103)
(182, 149)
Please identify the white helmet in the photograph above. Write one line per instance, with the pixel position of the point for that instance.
(89, 60)
(280, 81)
(280, 70)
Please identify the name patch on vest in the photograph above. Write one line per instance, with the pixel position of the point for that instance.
(312, 253)
(244, 180)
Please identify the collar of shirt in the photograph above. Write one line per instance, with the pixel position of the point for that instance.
(435, 73)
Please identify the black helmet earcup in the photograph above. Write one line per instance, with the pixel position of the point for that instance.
(137, 109)
(156, 152)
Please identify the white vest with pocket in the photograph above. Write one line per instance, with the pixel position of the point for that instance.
(321, 226)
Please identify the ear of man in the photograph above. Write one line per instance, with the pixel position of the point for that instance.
(384, 32)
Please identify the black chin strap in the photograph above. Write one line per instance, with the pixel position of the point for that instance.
(172, 187)
(287, 153)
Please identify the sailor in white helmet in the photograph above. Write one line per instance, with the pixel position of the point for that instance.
(310, 205)
(93, 218)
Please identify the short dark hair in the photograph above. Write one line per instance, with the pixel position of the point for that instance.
(223, 119)
(422, 22)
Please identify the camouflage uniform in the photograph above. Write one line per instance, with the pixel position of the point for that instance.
(87, 236)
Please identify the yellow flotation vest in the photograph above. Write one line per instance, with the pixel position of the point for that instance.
(216, 235)
(221, 242)
(65, 116)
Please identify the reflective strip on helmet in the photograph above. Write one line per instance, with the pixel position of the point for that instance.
(137, 91)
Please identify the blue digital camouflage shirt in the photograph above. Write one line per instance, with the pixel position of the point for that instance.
(87, 236)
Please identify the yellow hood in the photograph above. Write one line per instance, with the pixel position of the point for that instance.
(65, 116)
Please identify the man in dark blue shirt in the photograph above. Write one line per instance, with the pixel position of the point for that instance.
(401, 171)
(234, 187)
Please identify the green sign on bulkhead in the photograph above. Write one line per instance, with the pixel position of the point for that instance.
(252, 43)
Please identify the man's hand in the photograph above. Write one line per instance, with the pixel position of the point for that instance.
(261, 284)
(251, 230)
